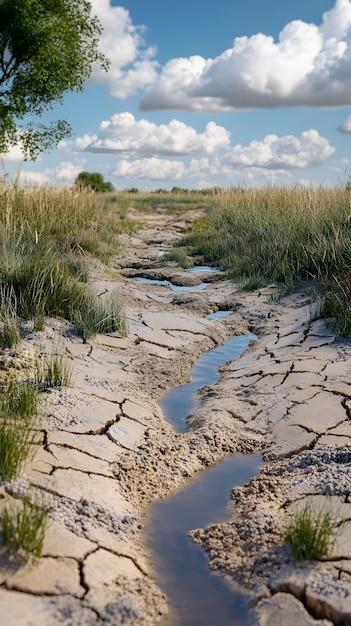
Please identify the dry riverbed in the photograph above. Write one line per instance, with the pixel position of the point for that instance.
(107, 451)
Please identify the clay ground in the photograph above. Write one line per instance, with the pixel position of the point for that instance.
(106, 451)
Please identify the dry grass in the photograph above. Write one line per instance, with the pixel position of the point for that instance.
(282, 235)
(47, 237)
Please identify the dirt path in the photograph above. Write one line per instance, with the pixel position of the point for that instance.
(107, 451)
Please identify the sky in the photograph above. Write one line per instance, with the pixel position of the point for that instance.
(204, 93)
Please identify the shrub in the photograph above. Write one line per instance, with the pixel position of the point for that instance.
(94, 181)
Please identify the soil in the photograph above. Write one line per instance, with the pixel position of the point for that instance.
(106, 451)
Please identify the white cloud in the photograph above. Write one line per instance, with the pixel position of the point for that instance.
(122, 133)
(309, 65)
(287, 152)
(345, 127)
(14, 155)
(63, 174)
(269, 160)
(77, 145)
(132, 64)
(151, 169)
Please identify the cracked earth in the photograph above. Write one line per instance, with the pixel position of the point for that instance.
(106, 450)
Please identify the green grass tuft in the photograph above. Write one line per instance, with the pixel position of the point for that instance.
(53, 371)
(10, 334)
(18, 406)
(179, 256)
(97, 315)
(24, 526)
(310, 533)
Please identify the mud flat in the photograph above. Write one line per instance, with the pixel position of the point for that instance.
(107, 452)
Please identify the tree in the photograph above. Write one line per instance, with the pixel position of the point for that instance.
(47, 49)
(94, 180)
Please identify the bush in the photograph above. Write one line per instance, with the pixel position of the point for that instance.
(94, 181)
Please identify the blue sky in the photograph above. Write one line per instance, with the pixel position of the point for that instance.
(210, 92)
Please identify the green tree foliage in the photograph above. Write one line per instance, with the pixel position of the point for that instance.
(94, 180)
(47, 49)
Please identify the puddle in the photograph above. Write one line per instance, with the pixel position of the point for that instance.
(218, 315)
(152, 281)
(181, 401)
(160, 250)
(203, 268)
(197, 595)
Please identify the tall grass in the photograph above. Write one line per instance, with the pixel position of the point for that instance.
(10, 334)
(46, 236)
(67, 220)
(281, 235)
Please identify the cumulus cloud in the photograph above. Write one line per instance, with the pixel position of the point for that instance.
(345, 127)
(287, 152)
(14, 155)
(176, 151)
(63, 174)
(123, 133)
(77, 145)
(133, 65)
(140, 140)
(309, 65)
(198, 173)
(150, 168)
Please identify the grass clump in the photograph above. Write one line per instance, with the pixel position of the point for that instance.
(20, 399)
(178, 256)
(310, 533)
(18, 407)
(53, 371)
(17, 439)
(24, 526)
(97, 315)
(10, 334)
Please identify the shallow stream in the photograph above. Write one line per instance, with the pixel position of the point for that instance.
(196, 595)
(179, 402)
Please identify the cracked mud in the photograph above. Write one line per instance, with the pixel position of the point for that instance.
(106, 450)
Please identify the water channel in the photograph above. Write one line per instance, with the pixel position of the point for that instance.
(196, 595)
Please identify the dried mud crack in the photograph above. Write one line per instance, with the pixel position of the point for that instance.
(106, 451)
